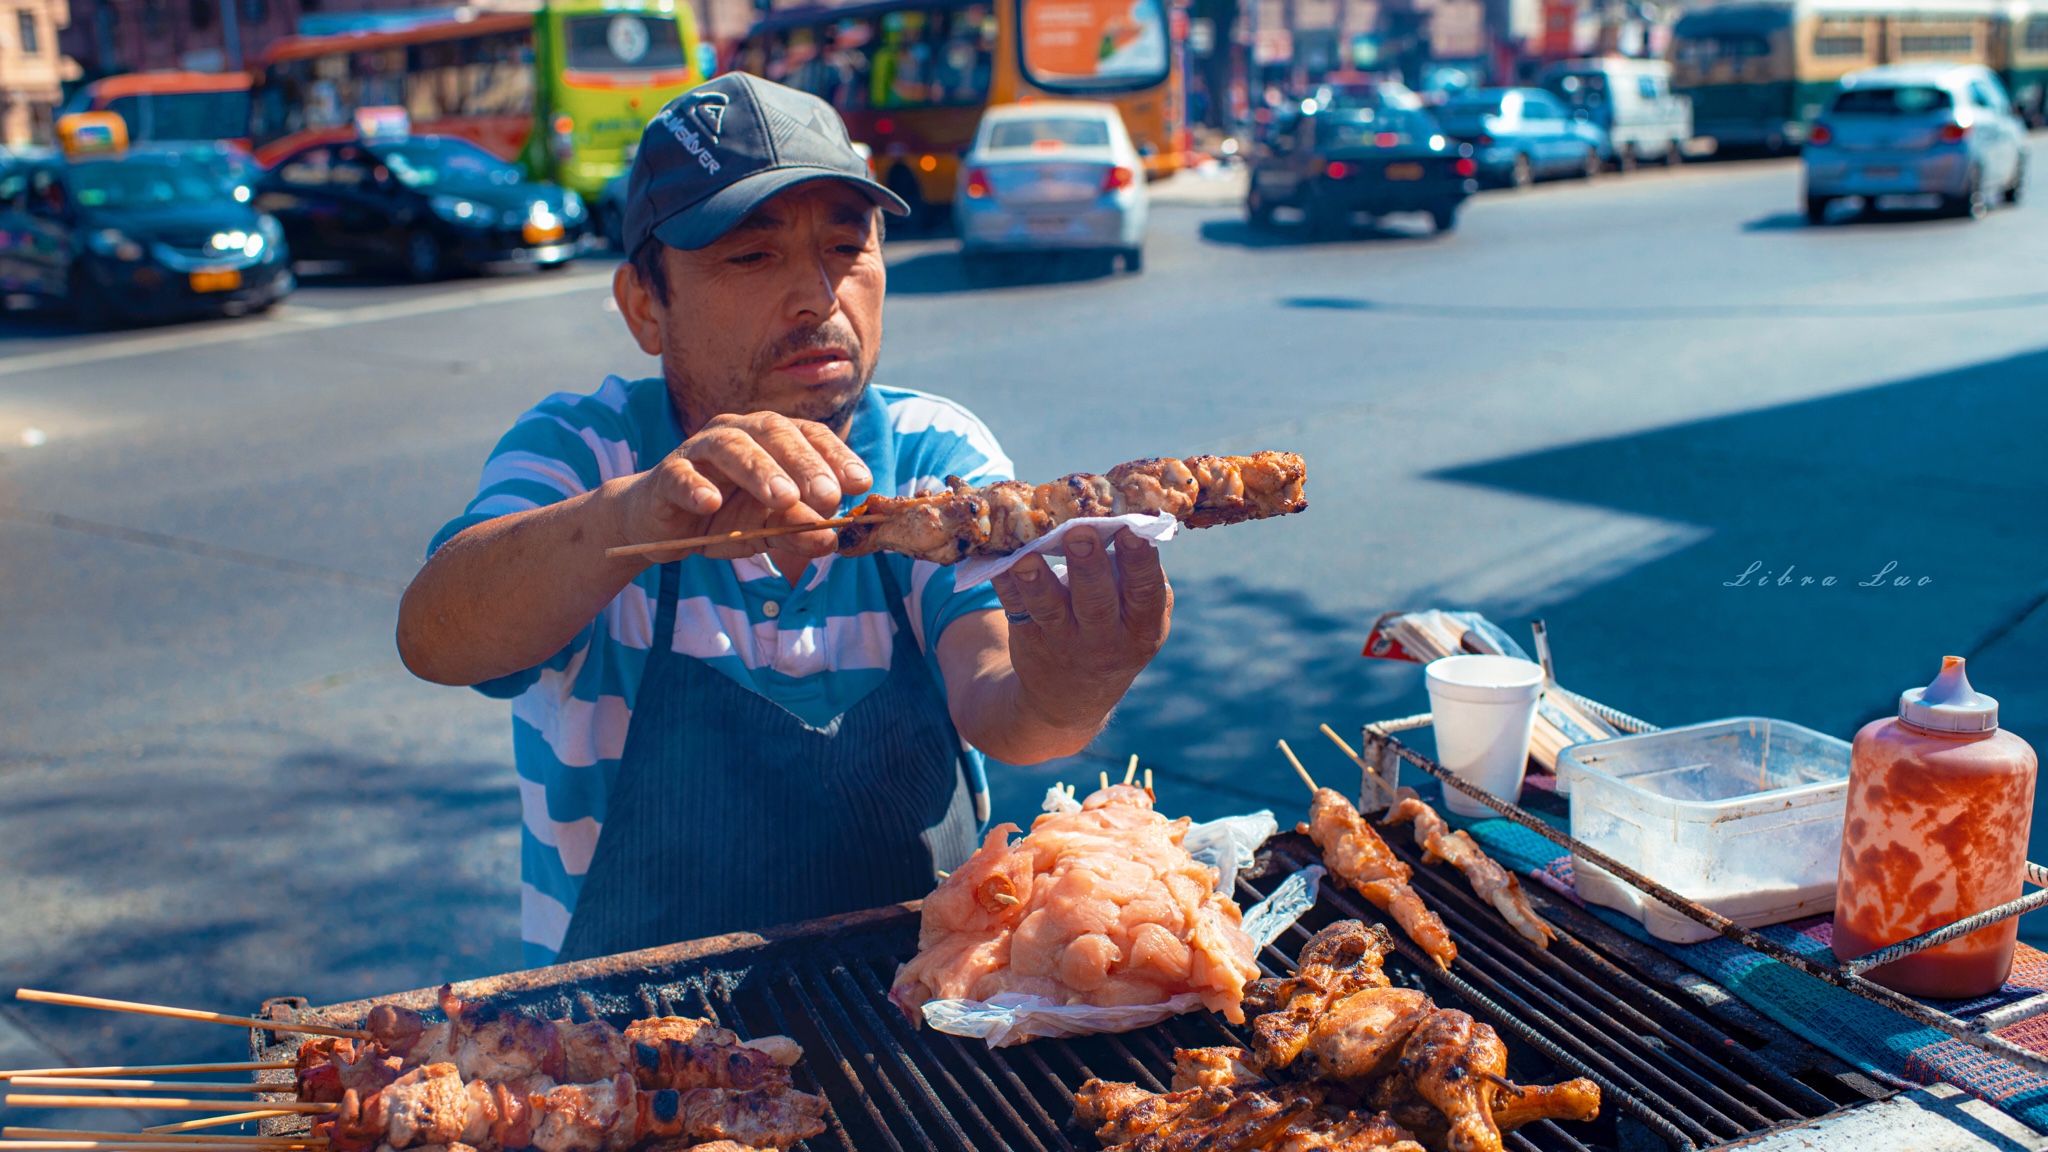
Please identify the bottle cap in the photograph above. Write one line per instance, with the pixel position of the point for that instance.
(1949, 704)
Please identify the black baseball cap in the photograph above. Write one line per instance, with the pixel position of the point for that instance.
(724, 148)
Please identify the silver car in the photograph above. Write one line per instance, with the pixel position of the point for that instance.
(1052, 175)
(1917, 135)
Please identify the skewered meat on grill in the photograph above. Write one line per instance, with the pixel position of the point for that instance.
(1355, 852)
(1494, 884)
(661, 1052)
(1339, 960)
(1101, 906)
(1240, 1117)
(998, 519)
(1213, 1068)
(432, 1105)
(1514, 1105)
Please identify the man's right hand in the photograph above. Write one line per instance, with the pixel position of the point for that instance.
(740, 472)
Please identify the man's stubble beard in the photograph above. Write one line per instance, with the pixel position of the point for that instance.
(742, 393)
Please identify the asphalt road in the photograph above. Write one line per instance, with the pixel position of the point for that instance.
(1602, 405)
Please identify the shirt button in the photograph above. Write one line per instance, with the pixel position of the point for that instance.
(771, 609)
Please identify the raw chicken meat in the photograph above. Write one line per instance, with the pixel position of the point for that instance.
(1101, 906)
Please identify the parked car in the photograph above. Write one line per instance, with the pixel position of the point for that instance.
(425, 205)
(1631, 102)
(1052, 175)
(1521, 135)
(137, 234)
(1932, 135)
(1333, 165)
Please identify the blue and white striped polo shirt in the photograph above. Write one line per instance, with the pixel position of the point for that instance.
(815, 649)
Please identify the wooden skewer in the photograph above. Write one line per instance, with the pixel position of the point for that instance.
(1299, 770)
(148, 1103)
(152, 1069)
(1105, 779)
(12, 1133)
(67, 998)
(742, 534)
(1005, 899)
(1148, 780)
(1371, 773)
(146, 1085)
(1131, 769)
(217, 1121)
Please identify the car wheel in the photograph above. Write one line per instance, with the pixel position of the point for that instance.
(1973, 203)
(1817, 208)
(1522, 174)
(423, 258)
(1445, 218)
(1674, 155)
(2014, 190)
(89, 309)
(1257, 212)
(1134, 260)
(904, 184)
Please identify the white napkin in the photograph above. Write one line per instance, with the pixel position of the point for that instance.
(1157, 527)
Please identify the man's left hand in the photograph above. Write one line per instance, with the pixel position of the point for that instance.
(1088, 639)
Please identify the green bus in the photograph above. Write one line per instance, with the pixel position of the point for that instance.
(1759, 72)
(565, 91)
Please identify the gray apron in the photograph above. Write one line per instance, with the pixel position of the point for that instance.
(730, 814)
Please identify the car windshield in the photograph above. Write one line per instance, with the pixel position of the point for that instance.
(1075, 130)
(1473, 105)
(1364, 128)
(425, 162)
(1901, 101)
(144, 184)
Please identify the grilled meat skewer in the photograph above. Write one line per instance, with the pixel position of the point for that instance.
(1000, 518)
(1494, 884)
(1357, 854)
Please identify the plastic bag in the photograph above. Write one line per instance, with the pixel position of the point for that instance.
(1230, 844)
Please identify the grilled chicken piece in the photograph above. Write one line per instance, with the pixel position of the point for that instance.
(1494, 884)
(1456, 1064)
(1351, 1131)
(1527, 1103)
(1239, 488)
(1166, 485)
(1357, 854)
(1362, 1034)
(1339, 960)
(1217, 1119)
(1212, 1068)
(944, 528)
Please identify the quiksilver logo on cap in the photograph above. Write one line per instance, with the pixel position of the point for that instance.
(706, 110)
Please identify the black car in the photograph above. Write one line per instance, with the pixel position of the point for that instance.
(422, 204)
(1333, 164)
(138, 235)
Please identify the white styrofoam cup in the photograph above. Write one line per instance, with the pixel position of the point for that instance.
(1483, 709)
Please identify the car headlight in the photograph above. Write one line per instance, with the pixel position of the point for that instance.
(572, 205)
(116, 243)
(457, 210)
(271, 231)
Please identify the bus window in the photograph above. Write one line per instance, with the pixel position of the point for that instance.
(623, 41)
(914, 58)
(1703, 51)
(184, 115)
(1094, 45)
(483, 76)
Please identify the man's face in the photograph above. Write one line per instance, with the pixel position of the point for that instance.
(781, 314)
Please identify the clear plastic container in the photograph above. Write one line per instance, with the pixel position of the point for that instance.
(1741, 815)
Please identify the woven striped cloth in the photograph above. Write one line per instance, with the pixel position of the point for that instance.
(1880, 1043)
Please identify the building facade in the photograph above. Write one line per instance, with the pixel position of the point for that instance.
(32, 69)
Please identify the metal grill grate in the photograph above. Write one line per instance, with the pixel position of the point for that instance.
(1679, 1062)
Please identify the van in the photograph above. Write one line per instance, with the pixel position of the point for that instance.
(1632, 100)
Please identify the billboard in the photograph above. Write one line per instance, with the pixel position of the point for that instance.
(1082, 44)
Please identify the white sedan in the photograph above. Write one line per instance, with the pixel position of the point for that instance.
(1052, 176)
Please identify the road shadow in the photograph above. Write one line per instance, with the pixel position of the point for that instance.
(1240, 233)
(934, 273)
(221, 882)
(1849, 543)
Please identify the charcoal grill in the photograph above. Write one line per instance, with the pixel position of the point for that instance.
(1681, 1063)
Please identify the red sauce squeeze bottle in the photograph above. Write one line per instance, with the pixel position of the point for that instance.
(1939, 804)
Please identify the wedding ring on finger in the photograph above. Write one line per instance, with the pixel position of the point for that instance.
(1017, 617)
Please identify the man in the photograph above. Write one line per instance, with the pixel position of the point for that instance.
(743, 737)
